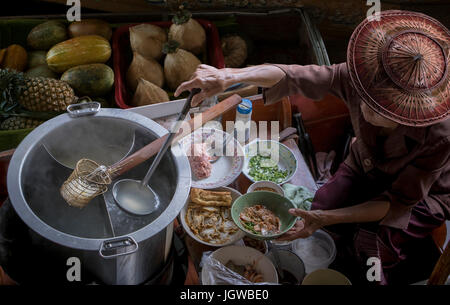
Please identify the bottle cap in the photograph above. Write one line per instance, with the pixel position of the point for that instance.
(245, 107)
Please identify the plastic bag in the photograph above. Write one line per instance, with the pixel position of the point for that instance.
(299, 195)
(218, 274)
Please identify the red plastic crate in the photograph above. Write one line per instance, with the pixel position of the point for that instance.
(122, 55)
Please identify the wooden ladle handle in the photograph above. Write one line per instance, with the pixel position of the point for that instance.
(152, 149)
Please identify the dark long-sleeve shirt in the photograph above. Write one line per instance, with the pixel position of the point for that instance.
(416, 158)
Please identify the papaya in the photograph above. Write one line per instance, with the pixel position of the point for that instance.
(16, 58)
(2, 55)
(46, 35)
(36, 58)
(78, 51)
(91, 80)
(90, 27)
(41, 71)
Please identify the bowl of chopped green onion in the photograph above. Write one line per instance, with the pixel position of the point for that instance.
(267, 160)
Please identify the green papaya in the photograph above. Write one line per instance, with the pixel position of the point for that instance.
(36, 58)
(46, 35)
(90, 80)
(41, 71)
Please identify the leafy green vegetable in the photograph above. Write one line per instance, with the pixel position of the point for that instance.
(250, 226)
(264, 168)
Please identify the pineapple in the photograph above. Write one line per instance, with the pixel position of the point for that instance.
(27, 102)
(46, 94)
(14, 123)
(35, 94)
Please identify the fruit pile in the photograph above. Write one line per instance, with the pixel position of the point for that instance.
(59, 64)
(163, 60)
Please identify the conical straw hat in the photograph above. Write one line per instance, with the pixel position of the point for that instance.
(399, 66)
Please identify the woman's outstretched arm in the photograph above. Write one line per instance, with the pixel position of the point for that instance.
(213, 81)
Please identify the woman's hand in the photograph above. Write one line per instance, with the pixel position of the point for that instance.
(311, 221)
(210, 80)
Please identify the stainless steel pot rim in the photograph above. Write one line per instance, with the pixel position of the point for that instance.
(36, 224)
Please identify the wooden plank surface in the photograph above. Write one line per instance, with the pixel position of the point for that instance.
(442, 269)
(115, 6)
(278, 112)
(5, 279)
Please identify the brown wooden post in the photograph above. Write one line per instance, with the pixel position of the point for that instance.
(442, 269)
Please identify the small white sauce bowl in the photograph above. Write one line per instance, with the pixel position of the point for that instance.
(269, 184)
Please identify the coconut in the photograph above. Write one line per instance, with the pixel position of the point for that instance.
(148, 93)
(148, 69)
(147, 40)
(188, 32)
(179, 64)
(234, 51)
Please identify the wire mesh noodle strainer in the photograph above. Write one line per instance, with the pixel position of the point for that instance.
(87, 181)
(90, 179)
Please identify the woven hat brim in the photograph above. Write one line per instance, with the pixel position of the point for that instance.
(373, 84)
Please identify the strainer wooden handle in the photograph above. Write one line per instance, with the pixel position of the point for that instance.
(152, 149)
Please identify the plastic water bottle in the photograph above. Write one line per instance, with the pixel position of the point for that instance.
(243, 121)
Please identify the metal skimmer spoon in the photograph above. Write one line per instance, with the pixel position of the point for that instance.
(136, 196)
(215, 155)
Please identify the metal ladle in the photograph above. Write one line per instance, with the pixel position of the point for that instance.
(137, 197)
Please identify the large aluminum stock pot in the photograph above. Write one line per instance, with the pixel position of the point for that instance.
(113, 246)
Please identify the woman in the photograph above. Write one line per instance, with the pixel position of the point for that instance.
(394, 187)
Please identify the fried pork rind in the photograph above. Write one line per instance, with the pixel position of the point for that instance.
(211, 223)
(211, 198)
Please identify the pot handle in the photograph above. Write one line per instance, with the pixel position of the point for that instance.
(83, 109)
(117, 243)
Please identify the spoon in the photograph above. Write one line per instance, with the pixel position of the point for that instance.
(137, 197)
